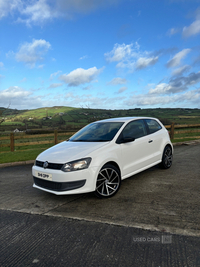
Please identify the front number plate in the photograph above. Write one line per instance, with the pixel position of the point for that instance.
(43, 175)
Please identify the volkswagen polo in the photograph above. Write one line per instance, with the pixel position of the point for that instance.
(102, 154)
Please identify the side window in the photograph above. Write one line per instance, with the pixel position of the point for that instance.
(153, 126)
(135, 129)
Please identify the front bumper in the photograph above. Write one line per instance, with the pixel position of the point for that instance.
(58, 186)
(65, 183)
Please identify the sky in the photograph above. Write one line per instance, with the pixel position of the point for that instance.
(107, 54)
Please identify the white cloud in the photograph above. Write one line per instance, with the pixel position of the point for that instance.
(80, 76)
(130, 57)
(83, 57)
(189, 98)
(88, 87)
(144, 62)
(193, 96)
(82, 6)
(162, 88)
(31, 53)
(172, 31)
(122, 89)
(154, 100)
(120, 52)
(9, 6)
(41, 66)
(55, 85)
(117, 81)
(13, 92)
(41, 11)
(38, 12)
(175, 85)
(1, 65)
(194, 27)
(53, 75)
(16, 96)
(10, 54)
(181, 70)
(20, 98)
(192, 78)
(176, 60)
(92, 101)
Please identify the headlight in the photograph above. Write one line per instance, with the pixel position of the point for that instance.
(76, 165)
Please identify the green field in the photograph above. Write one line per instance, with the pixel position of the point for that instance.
(67, 118)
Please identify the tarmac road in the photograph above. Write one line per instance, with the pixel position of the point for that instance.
(154, 220)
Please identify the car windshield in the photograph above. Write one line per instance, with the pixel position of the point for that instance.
(97, 132)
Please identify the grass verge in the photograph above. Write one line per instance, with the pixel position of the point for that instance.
(16, 156)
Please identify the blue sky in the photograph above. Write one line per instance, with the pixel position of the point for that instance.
(113, 54)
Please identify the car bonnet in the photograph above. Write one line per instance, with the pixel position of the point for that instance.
(69, 151)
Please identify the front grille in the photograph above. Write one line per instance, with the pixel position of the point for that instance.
(54, 166)
(56, 186)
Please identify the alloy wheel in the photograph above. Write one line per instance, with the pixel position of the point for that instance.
(167, 157)
(108, 181)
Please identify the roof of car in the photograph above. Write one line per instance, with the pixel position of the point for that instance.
(124, 119)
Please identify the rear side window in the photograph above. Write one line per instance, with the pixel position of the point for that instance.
(153, 126)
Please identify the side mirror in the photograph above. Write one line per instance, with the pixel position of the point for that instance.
(127, 140)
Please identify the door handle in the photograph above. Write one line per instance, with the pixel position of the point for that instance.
(150, 141)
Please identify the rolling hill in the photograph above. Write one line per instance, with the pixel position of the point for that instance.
(69, 118)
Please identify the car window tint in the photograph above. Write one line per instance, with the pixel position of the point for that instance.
(135, 129)
(97, 132)
(153, 126)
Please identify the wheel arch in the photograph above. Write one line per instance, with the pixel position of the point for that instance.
(114, 164)
(170, 145)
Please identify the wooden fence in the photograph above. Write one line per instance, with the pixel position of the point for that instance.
(187, 129)
(174, 131)
(54, 139)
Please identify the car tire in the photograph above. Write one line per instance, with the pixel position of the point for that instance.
(108, 181)
(167, 158)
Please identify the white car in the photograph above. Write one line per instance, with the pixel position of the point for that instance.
(100, 155)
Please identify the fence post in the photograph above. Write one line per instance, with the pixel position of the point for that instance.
(55, 137)
(172, 131)
(12, 142)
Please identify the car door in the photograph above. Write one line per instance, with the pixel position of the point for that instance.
(135, 154)
(155, 138)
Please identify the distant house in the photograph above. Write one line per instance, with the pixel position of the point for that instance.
(16, 131)
(61, 113)
(47, 118)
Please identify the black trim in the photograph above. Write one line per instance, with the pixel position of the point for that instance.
(54, 166)
(57, 186)
(146, 126)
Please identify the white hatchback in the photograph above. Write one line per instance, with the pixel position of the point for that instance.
(100, 155)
